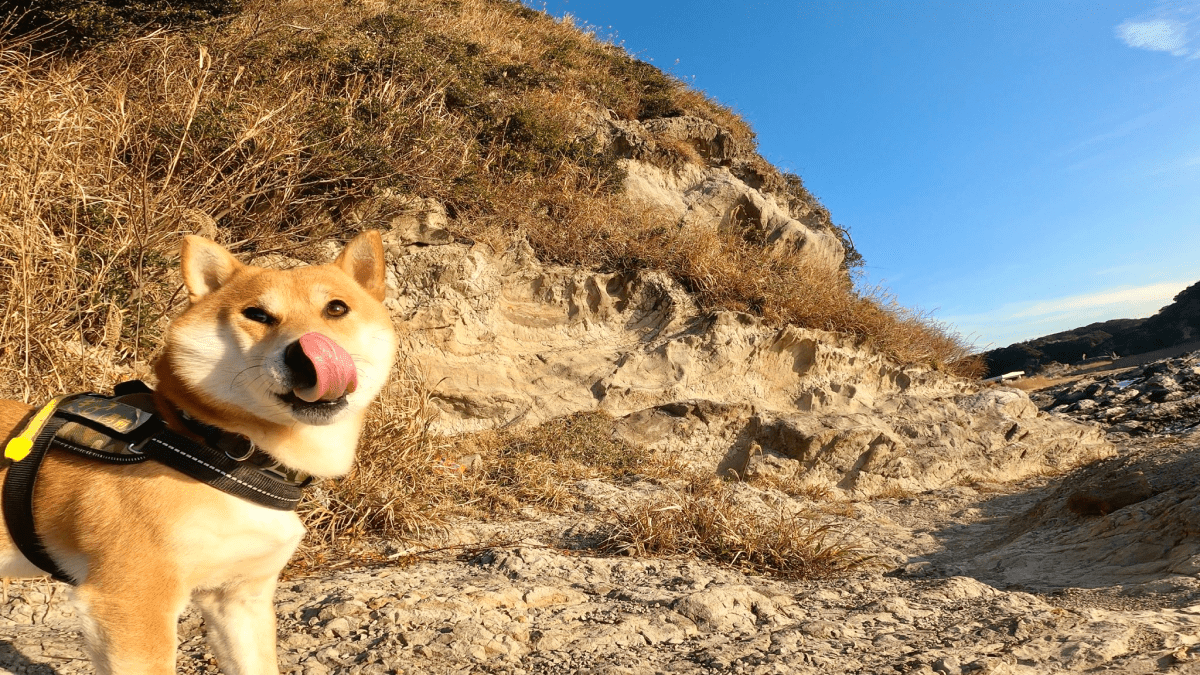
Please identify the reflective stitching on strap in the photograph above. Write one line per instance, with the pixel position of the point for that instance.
(229, 476)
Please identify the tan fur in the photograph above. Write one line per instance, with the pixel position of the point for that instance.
(146, 540)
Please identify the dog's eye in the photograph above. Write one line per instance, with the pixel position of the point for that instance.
(258, 315)
(336, 308)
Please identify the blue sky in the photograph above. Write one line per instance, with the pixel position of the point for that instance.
(1017, 168)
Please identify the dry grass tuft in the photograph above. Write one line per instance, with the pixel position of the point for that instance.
(393, 489)
(704, 519)
(1041, 382)
(408, 483)
(799, 486)
(538, 466)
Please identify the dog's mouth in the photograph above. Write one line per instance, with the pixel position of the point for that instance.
(313, 409)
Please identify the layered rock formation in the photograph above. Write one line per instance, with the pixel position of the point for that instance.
(728, 188)
(506, 340)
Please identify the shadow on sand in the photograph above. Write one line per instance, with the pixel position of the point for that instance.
(13, 660)
(1030, 540)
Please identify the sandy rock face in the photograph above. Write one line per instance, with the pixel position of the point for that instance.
(728, 188)
(508, 340)
(714, 197)
(1128, 519)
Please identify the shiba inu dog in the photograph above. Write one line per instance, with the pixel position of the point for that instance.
(288, 359)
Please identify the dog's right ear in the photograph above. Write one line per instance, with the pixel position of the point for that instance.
(206, 266)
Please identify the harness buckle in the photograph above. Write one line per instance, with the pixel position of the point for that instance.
(249, 452)
(139, 447)
(17, 448)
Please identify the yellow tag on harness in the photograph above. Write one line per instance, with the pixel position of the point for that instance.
(18, 448)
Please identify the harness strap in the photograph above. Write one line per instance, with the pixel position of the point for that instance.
(220, 471)
(18, 503)
(199, 461)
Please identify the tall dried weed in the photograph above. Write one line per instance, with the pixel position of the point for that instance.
(392, 489)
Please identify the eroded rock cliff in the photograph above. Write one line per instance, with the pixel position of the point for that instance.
(507, 340)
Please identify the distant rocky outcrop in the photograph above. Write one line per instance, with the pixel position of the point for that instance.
(1161, 397)
(1176, 324)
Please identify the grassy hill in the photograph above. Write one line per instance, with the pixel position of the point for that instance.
(270, 126)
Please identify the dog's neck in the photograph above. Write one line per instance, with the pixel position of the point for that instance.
(322, 451)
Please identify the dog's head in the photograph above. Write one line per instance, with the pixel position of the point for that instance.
(290, 358)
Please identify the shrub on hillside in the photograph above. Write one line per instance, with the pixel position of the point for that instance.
(75, 24)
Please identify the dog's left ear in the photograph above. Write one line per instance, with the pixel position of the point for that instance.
(363, 260)
(206, 266)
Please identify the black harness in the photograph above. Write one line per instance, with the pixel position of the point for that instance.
(124, 429)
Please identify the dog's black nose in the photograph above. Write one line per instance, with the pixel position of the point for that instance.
(304, 375)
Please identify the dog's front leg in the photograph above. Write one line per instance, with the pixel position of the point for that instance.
(241, 626)
(130, 628)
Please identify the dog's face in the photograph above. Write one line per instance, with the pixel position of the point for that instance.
(309, 346)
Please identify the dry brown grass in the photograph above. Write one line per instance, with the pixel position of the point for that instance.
(408, 483)
(895, 492)
(393, 488)
(1041, 382)
(538, 466)
(798, 486)
(705, 520)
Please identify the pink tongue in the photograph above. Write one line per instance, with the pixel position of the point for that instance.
(336, 375)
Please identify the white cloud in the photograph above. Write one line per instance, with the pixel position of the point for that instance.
(1015, 322)
(1157, 35)
(1169, 27)
(1187, 162)
(1125, 297)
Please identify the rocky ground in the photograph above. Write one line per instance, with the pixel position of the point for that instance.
(1092, 571)
(1160, 397)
